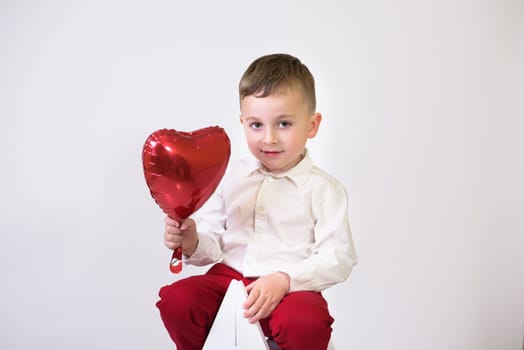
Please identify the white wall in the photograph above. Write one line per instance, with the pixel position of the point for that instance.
(423, 121)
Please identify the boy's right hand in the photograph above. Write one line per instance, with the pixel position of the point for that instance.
(181, 234)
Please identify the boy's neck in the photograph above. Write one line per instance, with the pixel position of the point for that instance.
(301, 158)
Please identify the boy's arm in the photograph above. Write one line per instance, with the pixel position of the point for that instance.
(333, 255)
(210, 223)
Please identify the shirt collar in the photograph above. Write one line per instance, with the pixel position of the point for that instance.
(298, 174)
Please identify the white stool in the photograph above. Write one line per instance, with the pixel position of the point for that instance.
(231, 330)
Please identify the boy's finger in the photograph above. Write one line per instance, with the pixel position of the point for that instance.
(255, 311)
(251, 299)
(257, 316)
(172, 230)
(170, 222)
(249, 287)
(186, 224)
(173, 238)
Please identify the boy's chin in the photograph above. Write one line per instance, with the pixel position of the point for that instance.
(274, 168)
(267, 166)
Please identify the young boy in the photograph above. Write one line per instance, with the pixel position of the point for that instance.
(277, 222)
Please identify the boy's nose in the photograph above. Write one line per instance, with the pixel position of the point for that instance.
(270, 137)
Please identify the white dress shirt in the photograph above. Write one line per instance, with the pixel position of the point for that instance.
(294, 222)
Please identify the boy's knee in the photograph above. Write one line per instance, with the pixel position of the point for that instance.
(305, 326)
(189, 300)
(302, 333)
(173, 297)
(302, 320)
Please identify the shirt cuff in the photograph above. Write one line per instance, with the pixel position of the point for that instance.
(205, 252)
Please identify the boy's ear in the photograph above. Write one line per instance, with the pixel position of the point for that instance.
(314, 124)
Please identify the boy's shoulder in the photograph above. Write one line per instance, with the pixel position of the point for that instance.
(320, 172)
(324, 188)
(324, 179)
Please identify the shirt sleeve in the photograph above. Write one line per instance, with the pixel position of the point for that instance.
(210, 222)
(333, 254)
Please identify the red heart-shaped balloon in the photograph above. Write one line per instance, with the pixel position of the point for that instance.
(183, 169)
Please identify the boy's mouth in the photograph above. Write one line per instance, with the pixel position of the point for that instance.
(271, 153)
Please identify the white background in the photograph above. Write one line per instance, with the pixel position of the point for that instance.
(423, 122)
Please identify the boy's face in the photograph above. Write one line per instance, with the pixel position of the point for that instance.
(277, 128)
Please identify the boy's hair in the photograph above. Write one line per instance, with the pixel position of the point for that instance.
(275, 73)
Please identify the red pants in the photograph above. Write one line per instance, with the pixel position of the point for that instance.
(188, 307)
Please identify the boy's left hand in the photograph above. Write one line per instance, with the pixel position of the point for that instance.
(264, 294)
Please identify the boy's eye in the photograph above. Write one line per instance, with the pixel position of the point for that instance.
(284, 124)
(255, 125)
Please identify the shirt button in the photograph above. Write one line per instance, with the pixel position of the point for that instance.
(271, 179)
(260, 208)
